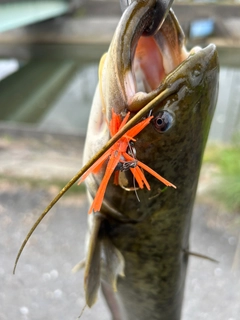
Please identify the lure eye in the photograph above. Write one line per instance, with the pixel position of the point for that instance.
(163, 121)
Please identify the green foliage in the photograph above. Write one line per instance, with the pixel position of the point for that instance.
(226, 159)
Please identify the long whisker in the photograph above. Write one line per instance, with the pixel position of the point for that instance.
(160, 97)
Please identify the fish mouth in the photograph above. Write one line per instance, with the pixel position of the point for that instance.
(151, 64)
(153, 58)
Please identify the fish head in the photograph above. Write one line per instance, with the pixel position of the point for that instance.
(144, 60)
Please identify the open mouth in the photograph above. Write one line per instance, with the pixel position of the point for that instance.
(148, 65)
(154, 58)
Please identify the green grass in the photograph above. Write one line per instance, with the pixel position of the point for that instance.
(227, 161)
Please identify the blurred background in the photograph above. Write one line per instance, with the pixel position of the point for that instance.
(49, 55)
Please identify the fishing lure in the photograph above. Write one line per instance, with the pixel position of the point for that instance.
(118, 154)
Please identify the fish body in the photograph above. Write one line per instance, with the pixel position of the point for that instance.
(139, 248)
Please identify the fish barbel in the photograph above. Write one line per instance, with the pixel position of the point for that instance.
(139, 248)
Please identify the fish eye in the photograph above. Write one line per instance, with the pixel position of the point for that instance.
(162, 121)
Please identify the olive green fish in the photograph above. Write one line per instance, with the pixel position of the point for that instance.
(138, 242)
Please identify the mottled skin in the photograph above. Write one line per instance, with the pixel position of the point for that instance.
(153, 234)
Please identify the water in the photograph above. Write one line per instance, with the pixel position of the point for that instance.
(64, 107)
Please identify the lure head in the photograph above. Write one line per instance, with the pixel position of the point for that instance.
(136, 69)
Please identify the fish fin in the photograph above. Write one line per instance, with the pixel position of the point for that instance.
(79, 266)
(112, 301)
(199, 255)
(113, 263)
(93, 265)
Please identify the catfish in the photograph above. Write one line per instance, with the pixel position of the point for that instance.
(138, 242)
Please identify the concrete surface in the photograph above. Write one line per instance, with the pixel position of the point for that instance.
(33, 166)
